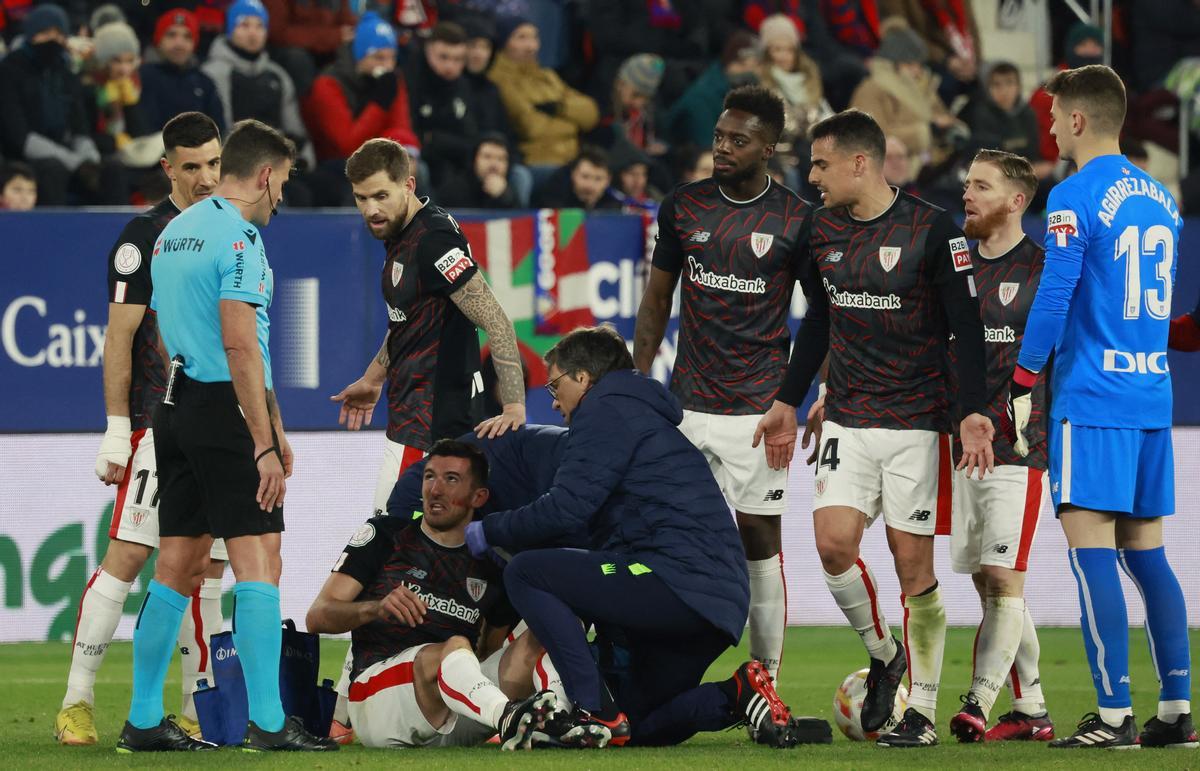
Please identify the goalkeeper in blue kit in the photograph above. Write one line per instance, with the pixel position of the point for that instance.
(1103, 309)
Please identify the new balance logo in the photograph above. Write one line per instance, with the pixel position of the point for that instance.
(1000, 548)
(920, 515)
(773, 495)
(700, 237)
(1177, 673)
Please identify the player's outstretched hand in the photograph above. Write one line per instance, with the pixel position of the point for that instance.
(778, 427)
(403, 605)
(271, 485)
(358, 403)
(977, 433)
(512, 418)
(115, 449)
(812, 429)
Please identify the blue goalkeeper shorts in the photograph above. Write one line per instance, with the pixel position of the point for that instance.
(1128, 471)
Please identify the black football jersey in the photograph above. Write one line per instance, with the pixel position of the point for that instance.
(129, 283)
(1007, 285)
(886, 279)
(739, 262)
(434, 389)
(459, 591)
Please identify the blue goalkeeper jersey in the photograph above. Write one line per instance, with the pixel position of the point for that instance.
(1104, 303)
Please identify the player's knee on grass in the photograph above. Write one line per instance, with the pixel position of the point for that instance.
(761, 536)
(123, 560)
(1002, 582)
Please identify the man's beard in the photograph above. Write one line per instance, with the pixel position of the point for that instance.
(983, 226)
(389, 232)
(735, 177)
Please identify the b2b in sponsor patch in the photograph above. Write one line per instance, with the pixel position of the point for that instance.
(960, 254)
(1063, 225)
(453, 264)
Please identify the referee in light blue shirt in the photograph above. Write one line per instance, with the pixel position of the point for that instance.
(221, 451)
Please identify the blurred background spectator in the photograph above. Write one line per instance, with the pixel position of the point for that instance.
(951, 36)
(999, 119)
(171, 78)
(692, 117)
(306, 34)
(582, 184)
(547, 115)
(485, 185)
(18, 187)
(792, 74)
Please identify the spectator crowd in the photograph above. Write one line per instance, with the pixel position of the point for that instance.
(597, 104)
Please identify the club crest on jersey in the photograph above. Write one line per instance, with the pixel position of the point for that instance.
(889, 256)
(453, 264)
(819, 487)
(397, 272)
(138, 516)
(1008, 291)
(1063, 225)
(960, 254)
(476, 588)
(760, 243)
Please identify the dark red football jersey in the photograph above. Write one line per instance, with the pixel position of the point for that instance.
(887, 279)
(129, 283)
(739, 262)
(434, 389)
(459, 591)
(1007, 285)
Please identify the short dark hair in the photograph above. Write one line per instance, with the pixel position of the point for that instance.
(251, 145)
(378, 155)
(1005, 68)
(453, 448)
(852, 130)
(14, 169)
(1014, 168)
(189, 129)
(594, 350)
(1096, 91)
(763, 104)
(449, 33)
(593, 155)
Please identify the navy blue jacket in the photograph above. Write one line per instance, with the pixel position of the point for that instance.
(521, 463)
(168, 90)
(641, 489)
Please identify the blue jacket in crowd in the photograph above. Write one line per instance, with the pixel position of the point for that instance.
(639, 488)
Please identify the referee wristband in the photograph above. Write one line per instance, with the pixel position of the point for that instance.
(265, 453)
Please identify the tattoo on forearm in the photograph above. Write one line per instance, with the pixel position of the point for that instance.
(272, 407)
(382, 358)
(476, 301)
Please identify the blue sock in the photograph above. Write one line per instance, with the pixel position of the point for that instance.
(1166, 619)
(258, 637)
(1104, 623)
(154, 639)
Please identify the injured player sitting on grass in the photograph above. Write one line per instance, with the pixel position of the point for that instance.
(416, 603)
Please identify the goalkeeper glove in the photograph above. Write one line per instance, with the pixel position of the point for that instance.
(115, 446)
(1185, 334)
(1020, 405)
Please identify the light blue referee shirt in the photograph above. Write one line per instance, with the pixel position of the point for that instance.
(207, 254)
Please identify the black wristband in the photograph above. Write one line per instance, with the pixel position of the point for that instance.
(265, 453)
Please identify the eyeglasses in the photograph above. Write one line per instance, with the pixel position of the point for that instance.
(552, 386)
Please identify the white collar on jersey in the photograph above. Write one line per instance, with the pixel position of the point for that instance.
(178, 208)
(748, 200)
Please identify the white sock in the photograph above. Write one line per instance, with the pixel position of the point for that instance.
(1024, 679)
(768, 612)
(467, 692)
(99, 613)
(193, 654)
(1115, 716)
(1169, 711)
(341, 708)
(201, 620)
(925, 641)
(857, 594)
(996, 647)
(546, 678)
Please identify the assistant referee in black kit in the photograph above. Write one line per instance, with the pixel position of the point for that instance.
(221, 451)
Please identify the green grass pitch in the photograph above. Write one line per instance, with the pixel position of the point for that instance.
(33, 677)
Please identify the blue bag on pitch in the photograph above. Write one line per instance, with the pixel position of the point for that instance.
(222, 708)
